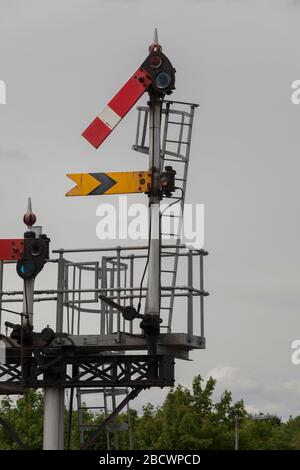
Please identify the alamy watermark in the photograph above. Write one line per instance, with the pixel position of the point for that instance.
(2, 92)
(295, 357)
(131, 222)
(295, 96)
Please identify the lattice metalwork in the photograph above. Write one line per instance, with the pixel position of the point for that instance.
(41, 371)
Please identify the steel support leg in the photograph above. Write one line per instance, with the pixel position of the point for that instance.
(54, 402)
(53, 419)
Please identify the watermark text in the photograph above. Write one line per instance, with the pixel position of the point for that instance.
(295, 96)
(131, 222)
(2, 92)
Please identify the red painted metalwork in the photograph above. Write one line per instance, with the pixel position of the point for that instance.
(11, 249)
(117, 108)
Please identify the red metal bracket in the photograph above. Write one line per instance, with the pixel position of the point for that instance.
(11, 249)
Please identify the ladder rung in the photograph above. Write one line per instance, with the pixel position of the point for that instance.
(171, 153)
(179, 160)
(180, 179)
(180, 123)
(177, 141)
(172, 215)
(168, 271)
(165, 308)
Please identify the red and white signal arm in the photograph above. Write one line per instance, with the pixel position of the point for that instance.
(156, 73)
(11, 249)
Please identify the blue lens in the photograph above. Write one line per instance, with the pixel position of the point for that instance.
(27, 268)
(163, 80)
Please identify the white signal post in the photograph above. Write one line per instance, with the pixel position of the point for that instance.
(153, 287)
(54, 404)
(152, 306)
(54, 399)
(53, 433)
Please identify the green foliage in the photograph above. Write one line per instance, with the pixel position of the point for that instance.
(187, 419)
(26, 418)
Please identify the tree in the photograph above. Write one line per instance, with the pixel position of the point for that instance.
(187, 419)
(26, 418)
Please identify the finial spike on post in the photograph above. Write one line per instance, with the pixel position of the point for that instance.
(29, 207)
(155, 46)
(29, 218)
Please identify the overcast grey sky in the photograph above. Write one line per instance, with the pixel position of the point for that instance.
(63, 60)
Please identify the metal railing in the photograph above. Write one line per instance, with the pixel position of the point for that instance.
(110, 266)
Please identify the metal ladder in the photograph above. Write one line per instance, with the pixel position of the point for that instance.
(81, 406)
(176, 136)
(110, 275)
(113, 430)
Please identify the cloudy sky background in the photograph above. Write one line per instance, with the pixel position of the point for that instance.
(63, 60)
